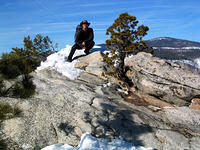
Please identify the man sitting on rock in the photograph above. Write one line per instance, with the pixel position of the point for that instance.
(83, 40)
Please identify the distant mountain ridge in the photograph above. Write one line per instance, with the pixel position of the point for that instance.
(172, 48)
(175, 49)
(171, 42)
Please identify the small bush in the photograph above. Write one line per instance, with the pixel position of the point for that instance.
(12, 65)
(3, 145)
(7, 112)
(38, 48)
(25, 60)
(22, 61)
(2, 88)
(24, 88)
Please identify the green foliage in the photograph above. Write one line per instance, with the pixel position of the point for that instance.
(7, 112)
(13, 65)
(24, 88)
(25, 60)
(40, 46)
(21, 87)
(18, 64)
(3, 90)
(22, 61)
(125, 39)
(3, 145)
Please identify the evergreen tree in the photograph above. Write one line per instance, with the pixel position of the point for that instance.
(38, 47)
(125, 39)
(25, 60)
(22, 61)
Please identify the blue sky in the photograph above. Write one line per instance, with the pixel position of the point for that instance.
(58, 18)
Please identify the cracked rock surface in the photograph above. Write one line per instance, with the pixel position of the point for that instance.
(62, 110)
(165, 80)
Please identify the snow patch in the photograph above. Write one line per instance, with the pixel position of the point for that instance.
(106, 51)
(128, 57)
(122, 91)
(58, 62)
(169, 48)
(188, 48)
(161, 38)
(183, 48)
(97, 46)
(107, 84)
(88, 142)
(195, 63)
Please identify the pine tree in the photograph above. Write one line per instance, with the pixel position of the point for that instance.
(25, 60)
(21, 62)
(39, 46)
(125, 39)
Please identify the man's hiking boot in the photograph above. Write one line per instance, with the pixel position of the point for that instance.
(68, 59)
(87, 53)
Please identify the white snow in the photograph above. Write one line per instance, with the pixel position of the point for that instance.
(57, 61)
(88, 142)
(183, 48)
(116, 63)
(188, 48)
(197, 61)
(169, 48)
(106, 51)
(96, 46)
(128, 57)
(107, 84)
(155, 47)
(123, 91)
(161, 38)
(166, 48)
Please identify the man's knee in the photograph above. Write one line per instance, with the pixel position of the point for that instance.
(90, 44)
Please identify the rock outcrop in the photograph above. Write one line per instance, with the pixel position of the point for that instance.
(195, 104)
(62, 110)
(92, 63)
(164, 80)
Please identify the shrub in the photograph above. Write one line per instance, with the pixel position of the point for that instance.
(40, 46)
(25, 60)
(7, 112)
(24, 88)
(13, 65)
(3, 145)
(125, 39)
(22, 61)
(3, 90)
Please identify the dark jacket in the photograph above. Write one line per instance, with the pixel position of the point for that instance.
(84, 37)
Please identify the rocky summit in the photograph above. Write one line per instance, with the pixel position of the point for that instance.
(63, 109)
(165, 80)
